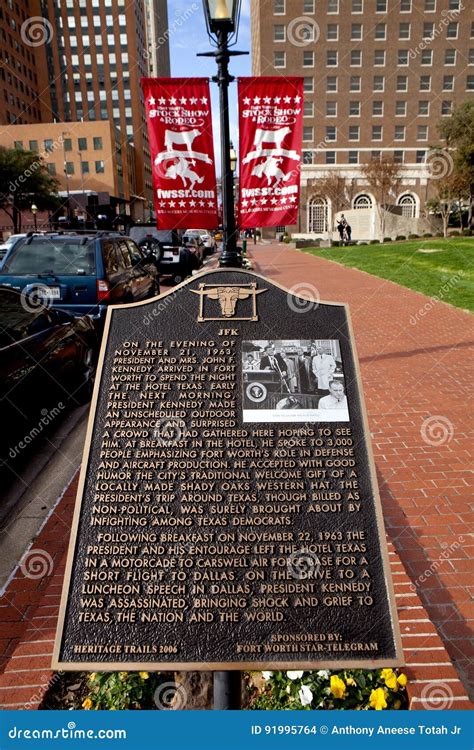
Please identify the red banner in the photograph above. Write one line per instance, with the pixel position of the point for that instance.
(178, 112)
(271, 128)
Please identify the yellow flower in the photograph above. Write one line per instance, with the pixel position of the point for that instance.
(338, 686)
(377, 699)
(391, 681)
(92, 676)
(144, 675)
(87, 704)
(123, 675)
(350, 681)
(386, 673)
(402, 679)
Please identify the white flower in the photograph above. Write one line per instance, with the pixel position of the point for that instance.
(323, 673)
(288, 689)
(306, 696)
(295, 675)
(266, 675)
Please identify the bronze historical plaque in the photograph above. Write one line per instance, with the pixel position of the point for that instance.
(227, 514)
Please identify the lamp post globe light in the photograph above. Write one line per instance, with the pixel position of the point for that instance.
(34, 211)
(222, 21)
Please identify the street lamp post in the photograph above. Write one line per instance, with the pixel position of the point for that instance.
(222, 20)
(34, 211)
(63, 134)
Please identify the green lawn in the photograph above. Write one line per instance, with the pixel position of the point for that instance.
(447, 274)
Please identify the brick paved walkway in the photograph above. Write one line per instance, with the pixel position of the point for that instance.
(417, 377)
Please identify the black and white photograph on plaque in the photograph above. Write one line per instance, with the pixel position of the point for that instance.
(293, 381)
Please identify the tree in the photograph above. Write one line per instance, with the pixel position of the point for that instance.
(334, 188)
(450, 192)
(458, 133)
(25, 180)
(383, 177)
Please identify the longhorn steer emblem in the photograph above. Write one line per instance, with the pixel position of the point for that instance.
(227, 296)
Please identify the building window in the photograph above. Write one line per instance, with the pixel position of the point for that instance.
(401, 108)
(331, 109)
(48, 145)
(471, 57)
(377, 132)
(330, 133)
(379, 57)
(355, 83)
(100, 167)
(430, 6)
(308, 109)
(446, 107)
(308, 133)
(422, 133)
(450, 57)
(399, 132)
(356, 32)
(405, 6)
(379, 83)
(402, 83)
(402, 57)
(354, 132)
(398, 157)
(51, 169)
(330, 157)
(69, 167)
(354, 109)
(317, 215)
(470, 83)
(357, 6)
(420, 157)
(381, 31)
(448, 83)
(427, 57)
(82, 144)
(18, 145)
(308, 59)
(381, 6)
(307, 157)
(353, 157)
(279, 59)
(308, 84)
(408, 205)
(85, 167)
(331, 58)
(375, 155)
(362, 201)
(377, 108)
(452, 30)
(98, 146)
(454, 4)
(425, 83)
(423, 108)
(404, 31)
(333, 6)
(279, 7)
(331, 83)
(33, 146)
(356, 57)
(308, 6)
(332, 32)
(279, 33)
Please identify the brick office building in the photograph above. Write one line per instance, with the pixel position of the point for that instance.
(378, 76)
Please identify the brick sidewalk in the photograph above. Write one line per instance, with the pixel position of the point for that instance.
(416, 372)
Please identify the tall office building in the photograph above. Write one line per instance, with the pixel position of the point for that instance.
(378, 76)
(96, 54)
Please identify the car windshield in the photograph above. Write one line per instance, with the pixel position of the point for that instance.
(58, 257)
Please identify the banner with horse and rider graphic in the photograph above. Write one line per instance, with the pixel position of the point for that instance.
(271, 125)
(178, 112)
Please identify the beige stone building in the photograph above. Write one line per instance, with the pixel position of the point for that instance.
(378, 76)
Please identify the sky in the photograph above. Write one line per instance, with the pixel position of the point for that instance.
(188, 36)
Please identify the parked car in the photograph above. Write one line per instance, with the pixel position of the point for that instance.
(44, 351)
(195, 246)
(172, 257)
(210, 244)
(10, 243)
(81, 273)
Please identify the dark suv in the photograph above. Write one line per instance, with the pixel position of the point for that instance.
(81, 273)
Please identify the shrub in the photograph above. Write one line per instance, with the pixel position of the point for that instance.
(335, 243)
(454, 234)
(387, 239)
(439, 234)
(375, 242)
(427, 234)
(413, 236)
(364, 689)
(467, 232)
(400, 237)
(362, 243)
(121, 690)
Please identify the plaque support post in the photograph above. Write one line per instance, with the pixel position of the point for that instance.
(227, 691)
